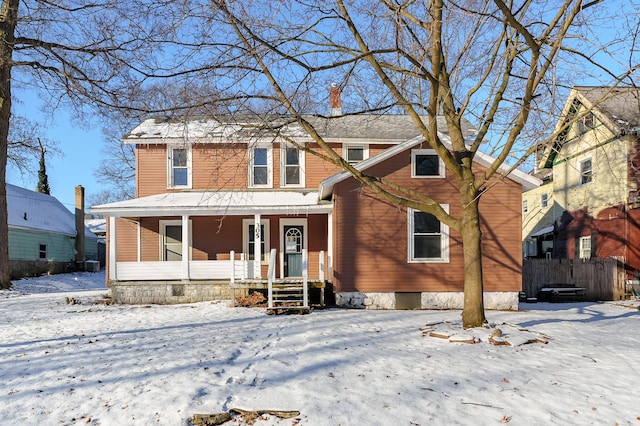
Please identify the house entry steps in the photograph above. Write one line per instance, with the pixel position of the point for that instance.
(288, 294)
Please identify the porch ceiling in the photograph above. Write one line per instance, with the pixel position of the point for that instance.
(209, 203)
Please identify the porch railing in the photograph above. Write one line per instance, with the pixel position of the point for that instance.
(232, 269)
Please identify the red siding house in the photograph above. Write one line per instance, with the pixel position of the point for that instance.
(226, 203)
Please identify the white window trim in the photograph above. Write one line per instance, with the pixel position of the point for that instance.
(583, 250)
(163, 234)
(580, 172)
(441, 168)
(544, 200)
(269, 148)
(170, 184)
(265, 238)
(444, 229)
(345, 151)
(525, 206)
(283, 171)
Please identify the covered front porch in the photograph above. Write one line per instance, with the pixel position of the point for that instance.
(192, 246)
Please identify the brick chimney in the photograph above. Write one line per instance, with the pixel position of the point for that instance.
(334, 100)
(79, 224)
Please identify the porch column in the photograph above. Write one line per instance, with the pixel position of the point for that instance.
(257, 243)
(113, 273)
(329, 265)
(185, 247)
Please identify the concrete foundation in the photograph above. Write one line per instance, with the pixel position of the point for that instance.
(428, 300)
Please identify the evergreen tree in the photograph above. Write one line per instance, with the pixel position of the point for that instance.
(43, 179)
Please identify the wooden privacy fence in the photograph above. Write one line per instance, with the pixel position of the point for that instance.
(602, 278)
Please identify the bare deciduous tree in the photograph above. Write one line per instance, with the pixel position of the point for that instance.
(505, 66)
(86, 54)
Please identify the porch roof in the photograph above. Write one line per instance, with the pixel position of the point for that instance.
(207, 203)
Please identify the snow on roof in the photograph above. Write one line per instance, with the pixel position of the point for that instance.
(368, 128)
(97, 226)
(33, 210)
(217, 203)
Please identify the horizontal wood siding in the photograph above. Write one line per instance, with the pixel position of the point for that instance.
(226, 167)
(127, 240)
(151, 170)
(318, 169)
(371, 242)
(214, 237)
(24, 244)
(220, 166)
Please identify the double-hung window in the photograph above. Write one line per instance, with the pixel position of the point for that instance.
(585, 247)
(428, 237)
(544, 200)
(260, 167)
(586, 171)
(425, 163)
(42, 252)
(178, 167)
(249, 238)
(292, 166)
(525, 206)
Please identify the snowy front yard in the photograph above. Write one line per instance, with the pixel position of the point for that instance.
(64, 364)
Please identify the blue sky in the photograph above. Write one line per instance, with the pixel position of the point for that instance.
(80, 150)
(81, 145)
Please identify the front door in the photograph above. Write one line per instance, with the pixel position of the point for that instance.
(293, 244)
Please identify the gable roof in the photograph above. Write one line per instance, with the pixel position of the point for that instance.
(368, 128)
(621, 105)
(36, 211)
(326, 186)
(618, 108)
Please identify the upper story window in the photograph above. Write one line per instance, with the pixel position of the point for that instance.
(179, 167)
(292, 166)
(586, 171)
(525, 206)
(425, 163)
(260, 167)
(355, 153)
(428, 237)
(544, 200)
(587, 123)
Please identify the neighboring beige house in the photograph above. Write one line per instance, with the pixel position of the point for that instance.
(538, 217)
(588, 204)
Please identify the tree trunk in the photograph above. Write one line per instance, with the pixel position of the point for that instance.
(473, 311)
(8, 20)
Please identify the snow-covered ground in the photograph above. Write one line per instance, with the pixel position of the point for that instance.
(86, 363)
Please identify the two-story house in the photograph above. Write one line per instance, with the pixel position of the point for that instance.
(217, 195)
(592, 170)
